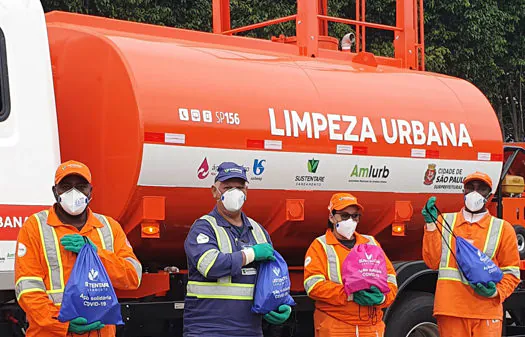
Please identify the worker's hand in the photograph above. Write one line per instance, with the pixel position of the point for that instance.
(369, 297)
(263, 252)
(431, 214)
(280, 316)
(488, 291)
(75, 242)
(79, 325)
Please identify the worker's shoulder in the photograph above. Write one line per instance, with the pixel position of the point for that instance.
(31, 222)
(204, 222)
(506, 226)
(110, 220)
(371, 239)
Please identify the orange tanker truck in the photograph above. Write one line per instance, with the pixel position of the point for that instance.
(153, 111)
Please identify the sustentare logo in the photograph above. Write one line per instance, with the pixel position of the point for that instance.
(311, 180)
(313, 164)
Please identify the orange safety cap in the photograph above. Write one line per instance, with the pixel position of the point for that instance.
(72, 167)
(478, 176)
(341, 201)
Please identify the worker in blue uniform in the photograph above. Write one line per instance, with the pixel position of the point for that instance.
(223, 249)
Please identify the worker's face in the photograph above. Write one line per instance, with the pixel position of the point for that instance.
(73, 181)
(221, 187)
(477, 186)
(230, 194)
(350, 212)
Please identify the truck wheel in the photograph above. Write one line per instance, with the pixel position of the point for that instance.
(412, 316)
(520, 236)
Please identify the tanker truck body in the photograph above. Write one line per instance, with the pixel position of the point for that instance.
(153, 111)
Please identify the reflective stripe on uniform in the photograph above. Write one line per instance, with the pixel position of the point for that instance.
(511, 270)
(491, 244)
(494, 237)
(257, 232)
(391, 279)
(310, 282)
(231, 291)
(450, 219)
(137, 266)
(56, 296)
(29, 284)
(52, 254)
(206, 261)
(223, 288)
(371, 239)
(105, 233)
(334, 269)
(223, 241)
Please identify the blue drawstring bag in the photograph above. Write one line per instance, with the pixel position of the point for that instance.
(475, 265)
(89, 292)
(272, 288)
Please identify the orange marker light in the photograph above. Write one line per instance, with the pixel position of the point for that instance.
(398, 229)
(150, 230)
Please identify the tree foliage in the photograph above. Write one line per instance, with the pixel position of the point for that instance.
(482, 41)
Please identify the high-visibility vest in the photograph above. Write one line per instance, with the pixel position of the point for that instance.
(491, 245)
(334, 265)
(223, 288)
(50, 246)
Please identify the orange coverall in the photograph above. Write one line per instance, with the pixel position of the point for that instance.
(30, 262)
(334, 314)
(457, 308)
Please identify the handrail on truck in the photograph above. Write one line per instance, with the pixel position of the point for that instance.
(311, 21)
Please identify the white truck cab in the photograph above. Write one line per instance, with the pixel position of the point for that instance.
(29, 145)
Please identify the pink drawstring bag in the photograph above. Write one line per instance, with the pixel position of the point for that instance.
(365, 266)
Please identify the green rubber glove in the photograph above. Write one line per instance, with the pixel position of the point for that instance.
(432, 214)
(75, 242)
(481, 290)
(263, 252)
(369, 297)
(280, 316)
(79, 325)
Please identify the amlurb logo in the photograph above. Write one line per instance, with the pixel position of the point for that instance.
(313, 164)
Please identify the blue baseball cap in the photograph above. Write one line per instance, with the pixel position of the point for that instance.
(229, 170)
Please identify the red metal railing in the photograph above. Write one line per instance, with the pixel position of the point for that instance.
(312, 21)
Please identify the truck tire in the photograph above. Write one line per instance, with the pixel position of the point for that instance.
(520, 236)
(412, 316)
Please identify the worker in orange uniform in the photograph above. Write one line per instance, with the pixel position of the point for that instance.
(338, 314)
(461, 308)
(47, 247)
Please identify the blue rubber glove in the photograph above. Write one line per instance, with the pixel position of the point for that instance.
(432, 214)
(280, 316)
(79, 326)
(263, 252)
(75, 242)
(369, 297)
(487, 291)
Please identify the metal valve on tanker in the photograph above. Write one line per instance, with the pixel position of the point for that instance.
(347, 41)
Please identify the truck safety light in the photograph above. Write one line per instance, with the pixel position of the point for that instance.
(398, 229)
(150, 230)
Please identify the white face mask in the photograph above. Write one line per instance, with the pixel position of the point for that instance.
(233, 199)
(73, 201)
(474, 201)
(346, 228)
